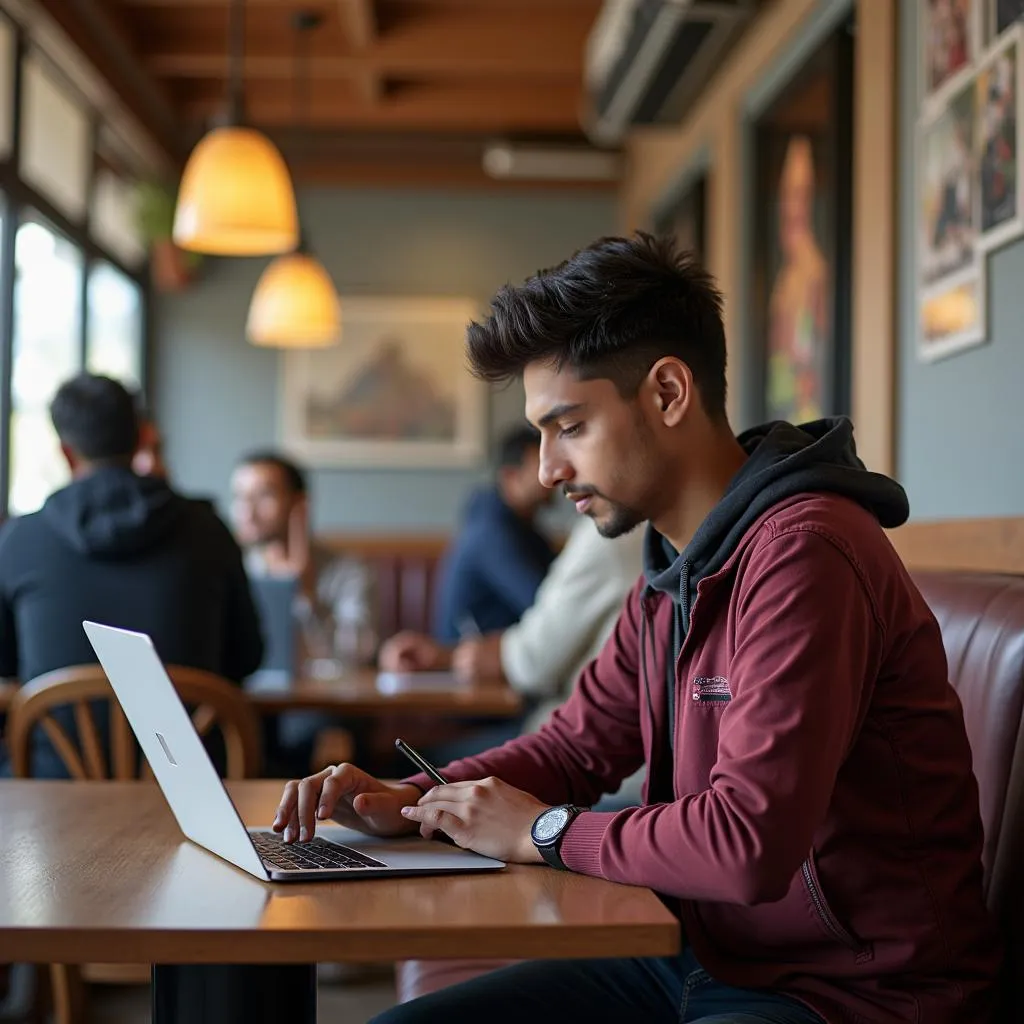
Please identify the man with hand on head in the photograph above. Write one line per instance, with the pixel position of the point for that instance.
(810, 811)
(270, 509)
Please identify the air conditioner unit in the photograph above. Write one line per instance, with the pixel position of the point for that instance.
(647, 60)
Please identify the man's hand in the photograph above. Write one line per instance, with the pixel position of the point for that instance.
(292, 558)
(412, 652)
(349, 796)
(479, 659)
(489, 817)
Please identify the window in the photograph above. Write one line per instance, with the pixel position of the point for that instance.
(114, 336)
(113, 220)
(72, 258)
(55, 143)
(46, 352)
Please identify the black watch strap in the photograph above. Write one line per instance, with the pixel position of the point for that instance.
(552, 856)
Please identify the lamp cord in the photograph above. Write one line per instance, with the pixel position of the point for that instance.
(236, 62)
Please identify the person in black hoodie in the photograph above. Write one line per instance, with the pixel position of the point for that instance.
(121, 549)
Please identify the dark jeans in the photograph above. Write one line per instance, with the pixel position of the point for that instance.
(673, 990)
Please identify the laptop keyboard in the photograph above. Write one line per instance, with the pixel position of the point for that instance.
(316, 855)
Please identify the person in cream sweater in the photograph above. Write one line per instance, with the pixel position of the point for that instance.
(573, 613)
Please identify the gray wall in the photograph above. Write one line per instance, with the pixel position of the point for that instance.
(960, 422)
(216, 395)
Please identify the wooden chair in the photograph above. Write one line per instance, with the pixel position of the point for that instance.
(216, 702)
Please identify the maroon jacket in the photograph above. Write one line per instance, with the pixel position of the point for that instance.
(822, 835)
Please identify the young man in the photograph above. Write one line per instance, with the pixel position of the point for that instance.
(122, 549)
(270, 510)
(810, 811)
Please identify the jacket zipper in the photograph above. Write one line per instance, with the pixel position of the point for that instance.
(829, 920)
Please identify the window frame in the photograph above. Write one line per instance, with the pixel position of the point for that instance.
(18, 199)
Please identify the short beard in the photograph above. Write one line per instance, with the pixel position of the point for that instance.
(621, 520)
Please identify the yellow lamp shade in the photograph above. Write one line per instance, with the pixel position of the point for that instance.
(295, 305)
(236, 197)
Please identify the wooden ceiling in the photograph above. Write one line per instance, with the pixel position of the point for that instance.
(400, 91)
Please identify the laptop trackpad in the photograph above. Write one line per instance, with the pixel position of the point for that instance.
(411, 852)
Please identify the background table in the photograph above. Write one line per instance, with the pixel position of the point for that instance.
(356, 693)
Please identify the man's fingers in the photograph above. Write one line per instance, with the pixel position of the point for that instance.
(309, 798)
(437, 819)
(338, 784)
(284, 811)
(455, 792)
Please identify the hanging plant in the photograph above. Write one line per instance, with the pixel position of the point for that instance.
(172, 269)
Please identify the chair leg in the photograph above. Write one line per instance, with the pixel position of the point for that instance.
(68, 994)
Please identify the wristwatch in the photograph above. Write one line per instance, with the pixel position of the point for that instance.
(548, 831)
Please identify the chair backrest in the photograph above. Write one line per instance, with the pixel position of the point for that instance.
(982, 623)
(404, 572)
(216, 702)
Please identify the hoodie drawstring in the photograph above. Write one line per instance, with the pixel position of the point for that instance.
(644, 627)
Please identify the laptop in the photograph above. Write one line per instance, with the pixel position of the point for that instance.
(203, 809)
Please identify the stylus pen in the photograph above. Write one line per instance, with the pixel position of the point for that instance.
(421, 762)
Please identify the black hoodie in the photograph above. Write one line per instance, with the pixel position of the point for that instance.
(783, 460)
(127, 551)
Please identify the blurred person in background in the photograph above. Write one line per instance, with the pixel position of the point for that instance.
(122, 549)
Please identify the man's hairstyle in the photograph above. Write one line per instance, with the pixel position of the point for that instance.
(611, 310)
(515, 443)
(96, 418)
(294, 477)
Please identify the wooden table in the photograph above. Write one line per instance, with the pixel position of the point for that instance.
(356, 693)
(98, 872)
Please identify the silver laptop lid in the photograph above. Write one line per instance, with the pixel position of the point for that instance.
(165, 732)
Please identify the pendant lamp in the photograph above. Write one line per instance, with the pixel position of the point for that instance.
(295, 304)
(236, 196)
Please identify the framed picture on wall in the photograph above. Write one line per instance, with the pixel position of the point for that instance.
(395, 391)
(802, 241)
(947, 188)
(950, 32)
(952, 316)
(998, 143)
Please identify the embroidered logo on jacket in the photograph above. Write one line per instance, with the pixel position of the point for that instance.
(709, 689)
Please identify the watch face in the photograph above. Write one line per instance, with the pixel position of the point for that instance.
(550, 823)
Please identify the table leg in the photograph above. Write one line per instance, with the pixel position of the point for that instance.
(234, 993)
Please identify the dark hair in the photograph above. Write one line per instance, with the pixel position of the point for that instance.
(96, 418)
(515, 443)
(294, 477)
(611, 310)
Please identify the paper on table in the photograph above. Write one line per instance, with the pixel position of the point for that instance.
(420, 682)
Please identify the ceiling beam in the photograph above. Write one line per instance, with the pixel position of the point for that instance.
(519, 5)
(273, 67)
(360, 21)
(105, 45)
(437, 41)
(443, 44)
(424, 107)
